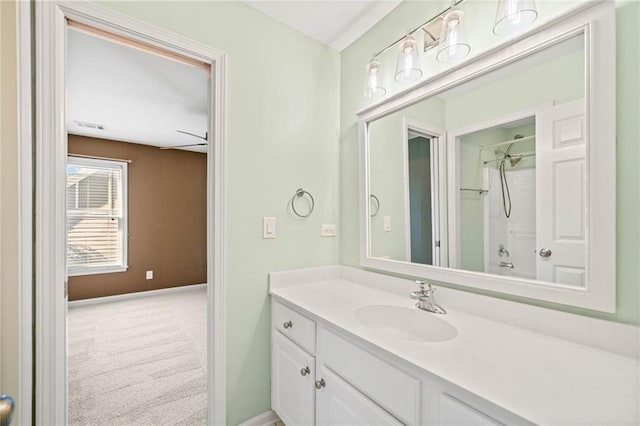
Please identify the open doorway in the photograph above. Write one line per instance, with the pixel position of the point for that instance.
(83, 161)
(136, 227)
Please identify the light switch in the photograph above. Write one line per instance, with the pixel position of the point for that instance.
(268, 227)
(149, 275)
(387, 224)
(328, 231)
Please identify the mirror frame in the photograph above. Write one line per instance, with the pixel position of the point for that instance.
(596, 21)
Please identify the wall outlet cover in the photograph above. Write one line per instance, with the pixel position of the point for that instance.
(328, 231)
(268, 227)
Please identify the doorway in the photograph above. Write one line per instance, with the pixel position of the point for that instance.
(421, 152)
(51, 37)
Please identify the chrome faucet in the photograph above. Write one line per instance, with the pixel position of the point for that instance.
(426, 299)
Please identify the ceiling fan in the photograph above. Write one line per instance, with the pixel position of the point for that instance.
(205, 138)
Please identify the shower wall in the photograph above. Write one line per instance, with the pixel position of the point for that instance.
(518, 232)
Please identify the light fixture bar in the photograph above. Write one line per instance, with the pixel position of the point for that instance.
(438, 16)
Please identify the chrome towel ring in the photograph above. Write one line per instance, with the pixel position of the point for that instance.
(376, 204)
(299, 194)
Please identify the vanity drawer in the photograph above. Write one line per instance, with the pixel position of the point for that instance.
(295, 326)
(389, 387)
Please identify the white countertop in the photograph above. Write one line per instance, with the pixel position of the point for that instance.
(540, 378)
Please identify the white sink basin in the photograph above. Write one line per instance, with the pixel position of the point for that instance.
(406, 323)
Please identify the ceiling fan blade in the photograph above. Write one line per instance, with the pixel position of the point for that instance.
(184, 146)
(206, 135)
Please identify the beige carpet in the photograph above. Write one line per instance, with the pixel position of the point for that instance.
(139, 361)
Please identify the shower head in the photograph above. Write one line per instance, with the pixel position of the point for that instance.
(514, 160)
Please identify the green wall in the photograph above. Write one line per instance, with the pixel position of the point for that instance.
(387, 174)
(282, 127)
(411, 14)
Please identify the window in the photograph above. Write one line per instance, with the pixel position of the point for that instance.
(96, 216)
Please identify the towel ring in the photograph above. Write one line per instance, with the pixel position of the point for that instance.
(376, 201)
(299, 194)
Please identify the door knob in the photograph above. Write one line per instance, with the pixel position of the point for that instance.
(544, 252)
(305, 371)
(6, 410)
(320, 384)
(287, 324)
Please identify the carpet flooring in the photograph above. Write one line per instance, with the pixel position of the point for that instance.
(139, 361)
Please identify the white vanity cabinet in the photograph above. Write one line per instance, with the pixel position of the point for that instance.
(305, 391)
(292, 381)
(339, 403)
(322, 376)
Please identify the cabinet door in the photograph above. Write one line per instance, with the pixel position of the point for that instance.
(339, 403)
(456, 413)
(292, 382)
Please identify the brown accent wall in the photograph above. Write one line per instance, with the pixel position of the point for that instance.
(167, 207)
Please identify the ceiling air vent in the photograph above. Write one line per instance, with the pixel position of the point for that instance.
(86, 125)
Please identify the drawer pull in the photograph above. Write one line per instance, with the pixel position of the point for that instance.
(305, 371)
(287, 324)
(320, 384)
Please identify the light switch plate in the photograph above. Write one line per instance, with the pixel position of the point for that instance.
(149, 275)
(328, 231)
(268, 227)
(387, 223)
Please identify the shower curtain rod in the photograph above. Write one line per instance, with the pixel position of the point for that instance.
(524, 155)
(510, 141)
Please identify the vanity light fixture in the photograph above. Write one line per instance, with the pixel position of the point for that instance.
(374, 81)
(453, 45)
(408, 66)
(514, 16)
(446, 30)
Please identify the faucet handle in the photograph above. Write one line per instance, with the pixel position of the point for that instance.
(421, 284)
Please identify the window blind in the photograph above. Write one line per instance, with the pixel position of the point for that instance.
(95, 214)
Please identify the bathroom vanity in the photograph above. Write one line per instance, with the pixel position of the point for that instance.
(497, 175)
(350, 347)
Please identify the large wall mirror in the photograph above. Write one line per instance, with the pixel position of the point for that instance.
(501, 174)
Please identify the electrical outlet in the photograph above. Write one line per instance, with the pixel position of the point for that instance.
(149, 275)
(328, 231)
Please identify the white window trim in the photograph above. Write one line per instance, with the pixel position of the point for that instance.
(91, 162)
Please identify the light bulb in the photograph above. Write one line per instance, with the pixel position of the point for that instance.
(514, 16)
(408, 66)
(452, 45)
(374, 80)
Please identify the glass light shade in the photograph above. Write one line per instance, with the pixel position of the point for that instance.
(374, 80)
(514, 16)
(453, 42)
(408, 67)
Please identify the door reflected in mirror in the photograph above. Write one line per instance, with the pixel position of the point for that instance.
(490, 175)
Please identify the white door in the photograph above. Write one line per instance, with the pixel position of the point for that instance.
(292, 382)
(561, 194)
(339, 403)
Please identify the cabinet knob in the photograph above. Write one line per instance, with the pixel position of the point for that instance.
(320, 384)
(287, 324)
(305, 371)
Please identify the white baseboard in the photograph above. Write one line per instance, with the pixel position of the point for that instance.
(121, 297)
(268, 418)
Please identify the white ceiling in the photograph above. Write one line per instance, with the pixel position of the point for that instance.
(137, 96)
(336, 23)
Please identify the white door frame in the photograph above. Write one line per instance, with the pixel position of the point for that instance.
(50, 160)
(409, 124)
(453, 155)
